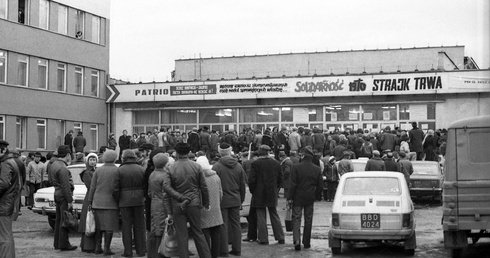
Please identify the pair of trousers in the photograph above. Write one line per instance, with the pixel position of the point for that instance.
(213, 235)
(275, 222)
(231, 223)
(133, 221)
(193, 215)
(308, 211)
(32, 189)
(252, 223)
(331, 189)
(7, 246)
(61, 240)
(153, 245)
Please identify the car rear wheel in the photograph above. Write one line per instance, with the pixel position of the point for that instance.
(335, 244)
(51, 221)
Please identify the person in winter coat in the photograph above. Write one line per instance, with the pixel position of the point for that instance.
(127, 190)
(406, 167)
(160, 202)
(212, 220)
(10, 187)
(111, 142)
(318, 140)
(416, 137)
(375, 163)
(79, 142)
(294, 140)
(69, 141)
(345, 165)
(193, 140)
(232, 178)
(124, 142)
(430, 146)
(286, 167)
(35, 173)
(265, 177)
(390, 164)
(306, 187)
(87, 244)
(331, 178)
(106, 208)
(366, 149)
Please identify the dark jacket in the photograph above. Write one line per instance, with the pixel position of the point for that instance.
(69, 141)
(100, 194)
(61, 180)
(391, 165)
(330, 172)
(127, 186)
(79, 143)
(193, 141)
(10, 184)
(387, 141)
(124, 142)
(265, 177)
(286, 168)
(187, 178)
(416, 136)
(306, 183)
(375, 164)
(232, 178)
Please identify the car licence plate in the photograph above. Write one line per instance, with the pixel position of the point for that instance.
(51, 204)
(370, 220)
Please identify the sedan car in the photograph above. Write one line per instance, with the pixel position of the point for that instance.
(372, 206)
(426, 180)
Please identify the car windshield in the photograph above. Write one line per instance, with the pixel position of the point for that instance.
(426, 168)
(372, 186)
(75, 175)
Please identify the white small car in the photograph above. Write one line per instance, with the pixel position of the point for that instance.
(372, 206)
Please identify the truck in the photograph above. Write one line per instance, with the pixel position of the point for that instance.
(466, 188)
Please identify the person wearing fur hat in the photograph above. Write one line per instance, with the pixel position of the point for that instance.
(187, 178)
(306, 186)
(87, 243)
(233, 178)
(265, 178)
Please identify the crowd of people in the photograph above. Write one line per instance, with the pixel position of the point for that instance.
(200, 178)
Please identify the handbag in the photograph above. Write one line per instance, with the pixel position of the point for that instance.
(90, 223)
(288, 220)
(70, 219)
(169, 245)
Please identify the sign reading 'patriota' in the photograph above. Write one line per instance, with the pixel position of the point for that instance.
(332, 86)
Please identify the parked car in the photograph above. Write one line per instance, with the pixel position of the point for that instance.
(44, 197)
(427, 180)
(372, 206)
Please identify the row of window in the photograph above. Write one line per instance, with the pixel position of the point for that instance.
(55, 17)
(59, 73)
(41, 133)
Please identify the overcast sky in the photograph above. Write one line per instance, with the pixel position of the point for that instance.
(148, 36)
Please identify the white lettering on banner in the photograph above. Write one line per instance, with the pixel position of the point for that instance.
(252, 87)
(145, 92)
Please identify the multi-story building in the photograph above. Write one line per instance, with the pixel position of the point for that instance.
(54, 61)
(364, 89)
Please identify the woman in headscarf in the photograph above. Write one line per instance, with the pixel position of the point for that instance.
(87, 244)
(430, 145)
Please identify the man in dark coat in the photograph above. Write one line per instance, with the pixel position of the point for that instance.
(375, 163)
(79, 142)
(387, 140)
(416, 136)
(69, 141)
(265, 177)
(10, 187)
(128, 191)
(124, 142)
(63, 196)
(232, 178)
(306, 187)
(193, 140)
(390, 163)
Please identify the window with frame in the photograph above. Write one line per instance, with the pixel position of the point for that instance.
(94, 90)
(80, 25)
(79, 80)
(61, 77)
(44, 14)
(41, 133)
(22, 70)
(335, 113)
(96, 29)
(94, 139)
(23, 11)
(62, 19)
(180, 116)
(2, 127)
(77, 127)
(20, 125)
(42, 73)
(3, 9)
(253, 115)
(3, 66)
(431, 111)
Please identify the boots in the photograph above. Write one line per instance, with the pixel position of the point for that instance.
(98, 242)
(107, 243)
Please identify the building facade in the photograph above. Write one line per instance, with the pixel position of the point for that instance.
(54, 61)
(432, 86)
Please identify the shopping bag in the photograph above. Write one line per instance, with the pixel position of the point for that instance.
(288, 220)
(168, 246)
(70, 219)
(90, 223)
